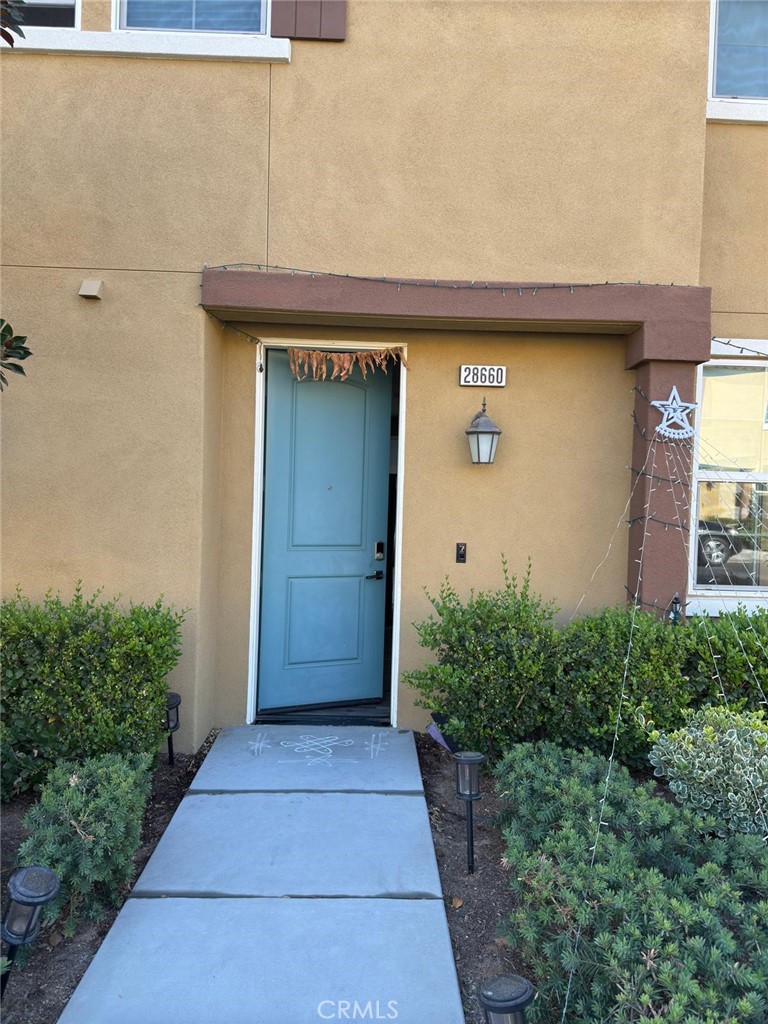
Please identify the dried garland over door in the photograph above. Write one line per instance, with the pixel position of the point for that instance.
(313, 363)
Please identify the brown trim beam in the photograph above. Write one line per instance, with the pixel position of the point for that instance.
(662, 322)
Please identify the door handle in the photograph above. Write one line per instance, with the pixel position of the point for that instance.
(378, 575)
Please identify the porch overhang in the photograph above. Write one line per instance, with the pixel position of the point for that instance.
(667, 323)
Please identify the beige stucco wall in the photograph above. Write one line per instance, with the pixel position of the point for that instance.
(524, 140)
(734, 260)
(514, 140)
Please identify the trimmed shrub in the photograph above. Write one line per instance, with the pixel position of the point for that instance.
(650, 920)
(81, 679)
(728, 658)
(496, 655)
(597, 657)
(86, 827)
(718, 765)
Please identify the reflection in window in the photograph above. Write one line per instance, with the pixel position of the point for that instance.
(741, 49)
(194, 15)
(732, 488)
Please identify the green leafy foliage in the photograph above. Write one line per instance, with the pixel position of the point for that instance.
(79, 679)
(718, 765)
(504, 672)
(12, 347)
(11, 17)
(612, 651)
(495, 656)
(728, 657)
(86, 827)
(646, 919)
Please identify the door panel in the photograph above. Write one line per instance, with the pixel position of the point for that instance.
(325, 508)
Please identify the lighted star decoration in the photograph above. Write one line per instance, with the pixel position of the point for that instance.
(675, 423)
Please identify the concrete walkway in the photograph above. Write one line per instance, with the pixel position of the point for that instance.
(295, 884)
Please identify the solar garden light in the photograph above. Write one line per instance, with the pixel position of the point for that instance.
(675, 610)
(505, 998)
(29, 890)
(468, 789)
(172, 721)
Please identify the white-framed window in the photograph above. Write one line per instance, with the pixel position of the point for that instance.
(738, 64)
(51, 14)
(729, 549)
(249, 16)
(202, 29)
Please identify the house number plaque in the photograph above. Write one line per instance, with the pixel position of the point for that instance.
(483, 376)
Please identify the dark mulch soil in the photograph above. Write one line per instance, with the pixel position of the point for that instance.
(475, 904)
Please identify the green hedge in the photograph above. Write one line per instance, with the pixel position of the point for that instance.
(79, 679)
(86, 827)
(503, 671)
(650, 920)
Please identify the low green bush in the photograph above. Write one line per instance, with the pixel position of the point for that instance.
(614, 650)
(86, 827)
(718, 765)
(727, 658)
(495, 660)
(643, 918)
(79, 679)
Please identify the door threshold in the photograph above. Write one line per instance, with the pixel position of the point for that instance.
(360, 714)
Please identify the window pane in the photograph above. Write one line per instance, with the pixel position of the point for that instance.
(160, 14)
(741, 50)
(228, 16)
(196, 15)
(51, 15)
(732, 433)
(732, 548)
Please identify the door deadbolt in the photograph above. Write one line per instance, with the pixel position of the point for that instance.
(378, 551)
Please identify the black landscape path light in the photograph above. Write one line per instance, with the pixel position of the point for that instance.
(29, 890)
(505, 998)
(172, 720)
(468, 789)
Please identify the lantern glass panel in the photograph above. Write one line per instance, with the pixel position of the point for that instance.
(20, 921)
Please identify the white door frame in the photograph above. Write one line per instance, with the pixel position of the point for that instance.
(258, 513)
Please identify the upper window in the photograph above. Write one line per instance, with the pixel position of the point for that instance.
(738, 71)
(194, 15)
(732, 479)
(741, 49)
(49, 13)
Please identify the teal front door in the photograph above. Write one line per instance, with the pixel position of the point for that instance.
(323, 589)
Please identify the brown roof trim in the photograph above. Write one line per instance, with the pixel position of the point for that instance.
(662, 322)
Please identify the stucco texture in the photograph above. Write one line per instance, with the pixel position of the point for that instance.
(512, 141)
(133, 164)
(734, 260)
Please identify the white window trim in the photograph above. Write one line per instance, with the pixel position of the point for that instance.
(708, 600)
(141, 43)
(721, 108)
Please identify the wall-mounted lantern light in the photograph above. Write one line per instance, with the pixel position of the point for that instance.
(483, 437)
(505, 998)
(29, 890)
(172, 721)
(468, 789)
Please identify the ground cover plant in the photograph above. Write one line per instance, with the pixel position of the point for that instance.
(81, 678)
(86, 828)
(625, 909)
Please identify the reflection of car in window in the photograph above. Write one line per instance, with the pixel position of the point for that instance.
(717, 542)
